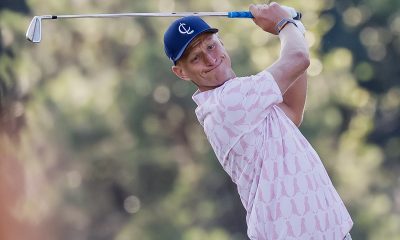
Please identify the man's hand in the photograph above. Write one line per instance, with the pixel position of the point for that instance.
(268, 16)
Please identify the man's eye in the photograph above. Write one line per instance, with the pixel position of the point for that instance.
(210, 47)
(195, 58)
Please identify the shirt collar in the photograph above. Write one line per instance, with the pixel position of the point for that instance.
(199, 97)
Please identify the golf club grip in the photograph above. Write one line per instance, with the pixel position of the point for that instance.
(247, 14)
(241, 14)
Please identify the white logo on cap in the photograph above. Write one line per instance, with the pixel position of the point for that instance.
(182, 29)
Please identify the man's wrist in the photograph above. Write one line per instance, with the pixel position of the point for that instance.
(283, 23)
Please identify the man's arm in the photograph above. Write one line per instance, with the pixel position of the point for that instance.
(294, 57)
(289, 70)
(294, 100)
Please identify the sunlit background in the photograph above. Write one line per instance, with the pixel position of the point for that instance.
(99, 140)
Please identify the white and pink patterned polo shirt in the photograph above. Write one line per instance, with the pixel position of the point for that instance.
(281, 181)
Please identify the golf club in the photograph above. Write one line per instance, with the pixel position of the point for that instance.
(34, 32)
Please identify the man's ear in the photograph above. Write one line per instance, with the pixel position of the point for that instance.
(180, 72)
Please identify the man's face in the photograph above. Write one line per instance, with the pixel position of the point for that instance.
(206, 63)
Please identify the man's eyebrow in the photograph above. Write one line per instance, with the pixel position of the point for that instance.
(195, 49)
(209, 38)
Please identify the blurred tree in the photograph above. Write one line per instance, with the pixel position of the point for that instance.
(10, 99)
(13, 185)
(103, 143)
(372, 34)
(369, 32)
(14, 5)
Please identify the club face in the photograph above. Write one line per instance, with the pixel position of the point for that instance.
(34, 32)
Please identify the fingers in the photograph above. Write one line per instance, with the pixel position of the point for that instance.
(254, 9)
(259, 9)
(274, 4)
(267, 16)
(278, 8)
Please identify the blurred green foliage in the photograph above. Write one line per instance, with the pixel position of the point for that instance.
(103, 141)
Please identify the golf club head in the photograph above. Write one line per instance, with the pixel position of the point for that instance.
(34, 32)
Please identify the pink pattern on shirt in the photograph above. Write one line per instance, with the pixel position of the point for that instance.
(281, 180)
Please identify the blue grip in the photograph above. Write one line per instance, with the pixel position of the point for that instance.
(247, 14)
(244, 14)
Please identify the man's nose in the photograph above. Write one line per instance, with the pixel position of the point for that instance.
(210, 59)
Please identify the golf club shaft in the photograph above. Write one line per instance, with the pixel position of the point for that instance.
(243, 14)
(233, 14)
(34, 32)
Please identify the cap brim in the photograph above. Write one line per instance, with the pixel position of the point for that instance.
(211, 30)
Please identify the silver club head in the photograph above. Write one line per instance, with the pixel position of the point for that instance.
(34, 32)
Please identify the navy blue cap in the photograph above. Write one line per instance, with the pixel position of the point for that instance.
(181, 33)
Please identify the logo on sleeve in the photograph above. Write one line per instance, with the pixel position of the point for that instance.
(183, 30)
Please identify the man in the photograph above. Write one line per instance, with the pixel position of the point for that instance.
(251, 123)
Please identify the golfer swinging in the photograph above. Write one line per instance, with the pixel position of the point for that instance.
(251, 123)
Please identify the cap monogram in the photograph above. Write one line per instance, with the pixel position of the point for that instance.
(182, 29)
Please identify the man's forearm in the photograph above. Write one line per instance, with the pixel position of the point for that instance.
(293, 60)
(294, 57)
(294, 49)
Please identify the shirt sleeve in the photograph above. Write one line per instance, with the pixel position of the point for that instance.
(247, 101)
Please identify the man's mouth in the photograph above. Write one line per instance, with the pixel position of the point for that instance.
(214, 67)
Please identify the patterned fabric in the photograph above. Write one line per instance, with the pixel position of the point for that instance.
(281, 181)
